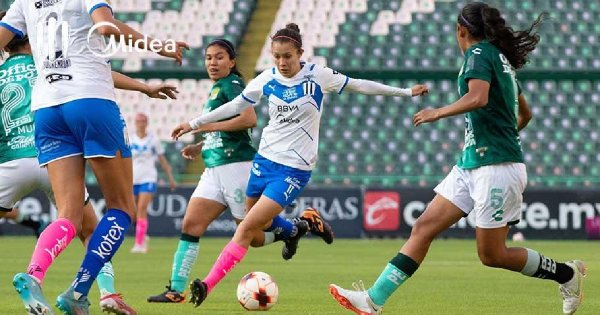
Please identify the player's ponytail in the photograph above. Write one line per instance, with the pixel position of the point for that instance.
(16, 43)
(485, 22)
(290, 34)
(230, 49)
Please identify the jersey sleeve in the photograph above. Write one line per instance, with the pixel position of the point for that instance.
(159, 148)
(254, 90)
(478, 65)
(233, 89)
(93, 5)
(331, 80)
(14, 20)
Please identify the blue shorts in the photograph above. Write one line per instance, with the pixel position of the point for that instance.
(90, 127)
(276, 181)
(144, 188)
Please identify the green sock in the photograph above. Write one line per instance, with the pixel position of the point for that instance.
(106, 280)
(183, 261)
(398, 270)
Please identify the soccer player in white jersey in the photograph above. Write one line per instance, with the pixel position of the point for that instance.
(76, 119)
(288, 148)
(20, 173)
(146, 150)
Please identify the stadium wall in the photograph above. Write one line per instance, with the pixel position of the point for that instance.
(359, 212)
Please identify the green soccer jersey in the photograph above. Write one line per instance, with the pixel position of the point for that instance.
(491, 135)
(17, 77)
(219, 147)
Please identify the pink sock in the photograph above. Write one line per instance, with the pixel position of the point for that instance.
(141, 227)
(53, 240)
(230, 256)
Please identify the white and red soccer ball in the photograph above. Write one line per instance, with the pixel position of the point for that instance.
(257, 291)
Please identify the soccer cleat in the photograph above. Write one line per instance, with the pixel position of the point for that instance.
(139, 249)
(572, 290)
(198, 292)
(30, 293)
(317, 225)
(113, 303)
(69, 305)
(169, 296)
(357, 301)
(291, 245)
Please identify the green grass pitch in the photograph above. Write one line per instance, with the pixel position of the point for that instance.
(450, 281)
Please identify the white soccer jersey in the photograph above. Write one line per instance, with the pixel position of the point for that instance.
(295, 106)
(145, 152)
(58, 33)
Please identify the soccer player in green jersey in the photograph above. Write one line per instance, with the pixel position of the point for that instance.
(489, 177)
(20, 172)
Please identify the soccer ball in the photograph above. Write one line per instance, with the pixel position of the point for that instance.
(257, 291)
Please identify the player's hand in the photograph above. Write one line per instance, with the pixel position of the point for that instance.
(191, 151)
(419, 89)
(174, 52)
(162, 91)
(425, 116)
(180, 130)
(173, 184)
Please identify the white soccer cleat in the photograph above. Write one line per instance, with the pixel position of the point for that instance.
(572, 291)
(357, 301)
(113, 303)
(139, 249)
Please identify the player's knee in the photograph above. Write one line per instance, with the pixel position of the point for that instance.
(491, 258)
(422, 230)
(193, 227)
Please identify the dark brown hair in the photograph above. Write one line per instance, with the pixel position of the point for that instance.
(290, 34)
(486, 22)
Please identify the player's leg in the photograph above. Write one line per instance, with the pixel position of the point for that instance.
(110, 300)
(37, 225)
(257, 219)
(199, 214)
(450, 204)
(18, 178)
(272, 175)
(104, 145)
(68, 186)
(498, 199)
(146, 194)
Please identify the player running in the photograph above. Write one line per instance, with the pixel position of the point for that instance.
(489, 177)
(227, 152)
(76, 119)
(146, 150)
(288, 148)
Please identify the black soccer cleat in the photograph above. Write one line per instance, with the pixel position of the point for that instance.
(198, 292)
(169, 296)
(317, 225)
(291, 245)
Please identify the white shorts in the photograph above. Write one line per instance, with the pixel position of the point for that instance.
(495, 192)
(226, 184)
(19, 178)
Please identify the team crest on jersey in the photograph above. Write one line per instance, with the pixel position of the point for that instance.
(214, 93)
(290, 94)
